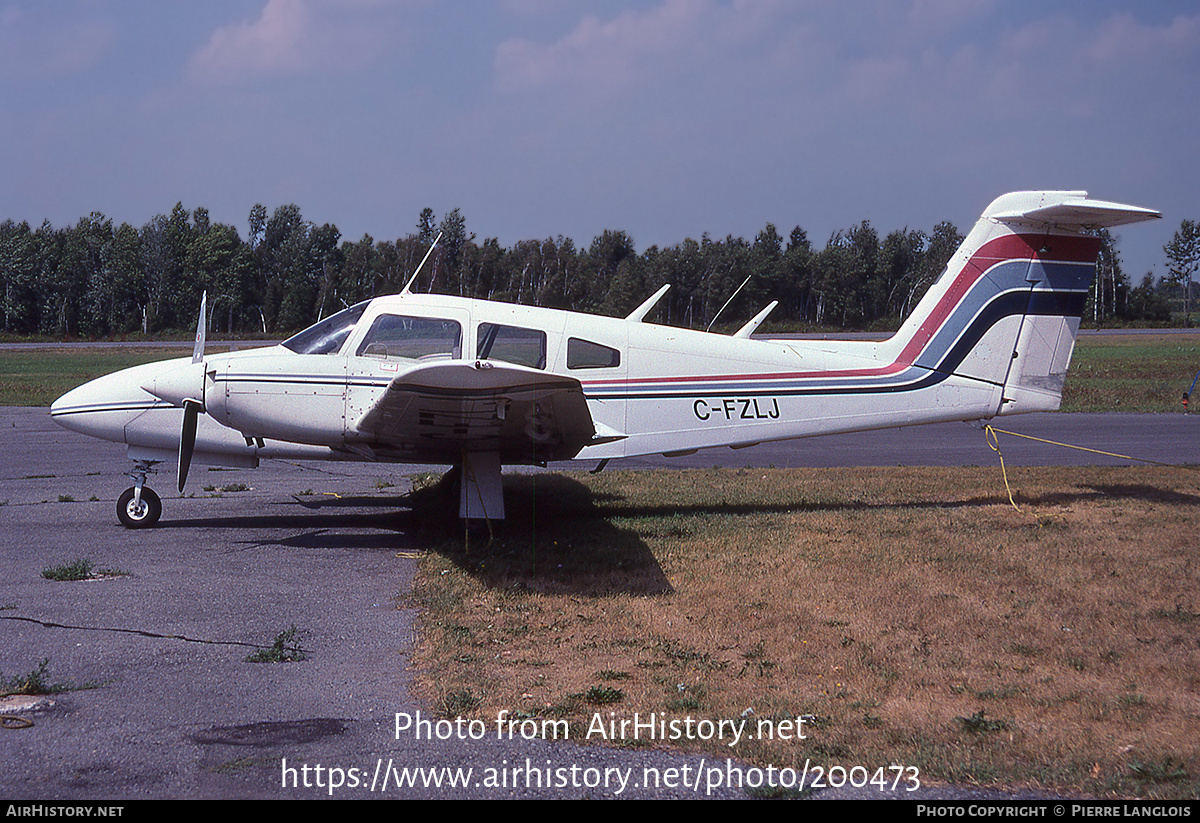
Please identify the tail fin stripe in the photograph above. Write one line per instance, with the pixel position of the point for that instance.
(1009, 249)
(1005, 278)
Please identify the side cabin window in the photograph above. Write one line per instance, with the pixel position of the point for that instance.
(584, 354)
(327, 336)
(412, 338)
(512, 344)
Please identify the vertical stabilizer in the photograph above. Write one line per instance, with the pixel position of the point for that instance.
(1006, 310)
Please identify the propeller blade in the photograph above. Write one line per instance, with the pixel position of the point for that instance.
(201, 331)
(192, 406)
(187, 440)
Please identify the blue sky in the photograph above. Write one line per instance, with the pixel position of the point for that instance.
(664, 118)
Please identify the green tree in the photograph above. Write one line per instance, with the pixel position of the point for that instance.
(220, 263)
(727, 264)
(611, 288)
(121, 264)
(362, 273)
(900, 259)
(844, 269)
(942, 244)
(768, 274)
(161, 271)
(558, 267)
(683, 267)
(258, 225)
(797, 290)
(1147, 302)
(89, 237)
(61, 279)
(449, 263)
(1183, 259)
(485, 273)
(426, 230)
(19, 268)
(283, 291)
(325, 268)
(1109, 292)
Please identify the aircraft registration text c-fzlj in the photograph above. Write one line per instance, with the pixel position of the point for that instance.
(425, 378)
(742, 408)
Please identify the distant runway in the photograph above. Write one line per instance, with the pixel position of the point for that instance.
(1164, 438)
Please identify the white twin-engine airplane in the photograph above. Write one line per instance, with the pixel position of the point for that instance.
(427, 378)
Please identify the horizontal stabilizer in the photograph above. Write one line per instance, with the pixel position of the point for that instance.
(1065, 209)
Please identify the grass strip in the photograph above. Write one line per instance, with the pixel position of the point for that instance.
(910, 615)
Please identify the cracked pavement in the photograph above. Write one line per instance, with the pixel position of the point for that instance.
(160, 701)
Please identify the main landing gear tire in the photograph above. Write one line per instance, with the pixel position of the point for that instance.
(139, 517)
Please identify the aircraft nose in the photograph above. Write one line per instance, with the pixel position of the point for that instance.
(93, 409)
(58, 408)
(106, 405)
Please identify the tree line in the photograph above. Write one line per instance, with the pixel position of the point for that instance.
(98, 279)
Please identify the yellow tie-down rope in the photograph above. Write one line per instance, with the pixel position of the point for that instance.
(994, 444)
(989, 435)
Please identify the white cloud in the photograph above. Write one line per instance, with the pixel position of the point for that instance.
(1122, 40)
(801, 100)
(609, 54)
(823, 54)
(275, 43)
(303, 37)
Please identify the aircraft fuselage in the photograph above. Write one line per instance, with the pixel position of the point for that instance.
(427, 378)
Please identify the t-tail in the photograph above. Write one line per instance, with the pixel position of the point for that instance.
(1007, 309)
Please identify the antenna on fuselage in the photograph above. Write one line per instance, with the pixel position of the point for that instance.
(748, 329)
(641, 311)
(433, 246)
(727, 302)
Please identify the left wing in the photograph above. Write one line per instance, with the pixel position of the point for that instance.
(438, 411)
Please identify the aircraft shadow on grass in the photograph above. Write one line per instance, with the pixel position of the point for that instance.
(560, 534)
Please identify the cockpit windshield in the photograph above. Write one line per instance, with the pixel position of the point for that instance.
(327, 336)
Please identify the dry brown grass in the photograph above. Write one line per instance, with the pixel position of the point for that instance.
(912, 614)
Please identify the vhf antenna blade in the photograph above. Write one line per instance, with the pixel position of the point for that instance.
(730, 300)
(433, 246)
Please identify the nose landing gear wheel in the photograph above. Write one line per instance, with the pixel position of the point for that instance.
(133, 516)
